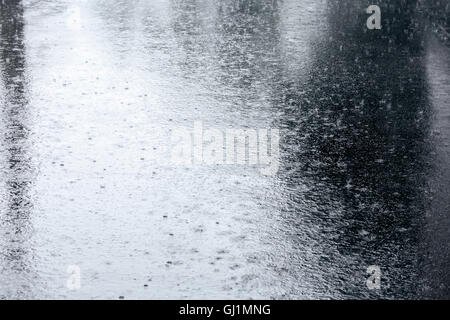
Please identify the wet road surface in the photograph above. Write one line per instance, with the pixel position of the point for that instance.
(89, 94)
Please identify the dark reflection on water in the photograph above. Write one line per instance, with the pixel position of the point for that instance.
(358, 126)
(15, 220)
(248, 46)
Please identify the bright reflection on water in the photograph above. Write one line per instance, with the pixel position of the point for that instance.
(91, 89)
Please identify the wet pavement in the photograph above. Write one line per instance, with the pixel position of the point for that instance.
(91, 90)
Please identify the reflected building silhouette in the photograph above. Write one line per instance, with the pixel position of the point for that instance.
(17, 173)
(356, 140)
(248, 43)
(121, 21)
(190, 30)
(234, 41)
